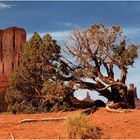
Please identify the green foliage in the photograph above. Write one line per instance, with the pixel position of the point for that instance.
(56, 89)
(125, 55)
(79, 126)
(58, 93)
(37, 84)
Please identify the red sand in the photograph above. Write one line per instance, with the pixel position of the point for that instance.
(124, 125)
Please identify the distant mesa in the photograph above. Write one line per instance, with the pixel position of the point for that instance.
(133, 90)
(88, 98)
(137, 103)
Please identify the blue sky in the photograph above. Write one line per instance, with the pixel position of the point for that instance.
(59, 18)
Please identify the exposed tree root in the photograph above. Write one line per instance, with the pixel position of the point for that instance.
(117, 107)
(42, 119)
(114, 110)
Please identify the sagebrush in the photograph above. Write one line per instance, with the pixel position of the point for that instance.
(78, 126)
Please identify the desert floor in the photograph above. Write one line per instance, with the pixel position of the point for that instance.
(112, 125)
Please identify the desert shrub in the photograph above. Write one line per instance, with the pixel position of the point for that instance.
(79, 126)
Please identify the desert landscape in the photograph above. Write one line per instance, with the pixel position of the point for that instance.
(69, 70)
(125, 125)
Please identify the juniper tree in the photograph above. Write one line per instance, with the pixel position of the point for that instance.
(40, 81)
(99, 51)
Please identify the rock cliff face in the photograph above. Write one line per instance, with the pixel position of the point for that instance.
(12, 42)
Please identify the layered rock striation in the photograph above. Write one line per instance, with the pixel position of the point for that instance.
(12, 42)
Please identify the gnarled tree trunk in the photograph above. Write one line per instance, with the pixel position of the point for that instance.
(121, 95)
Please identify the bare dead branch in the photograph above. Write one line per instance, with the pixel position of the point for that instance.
(115, 83)
(69, 62)
(42, 119)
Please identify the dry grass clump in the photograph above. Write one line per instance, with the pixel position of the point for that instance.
(78, 126)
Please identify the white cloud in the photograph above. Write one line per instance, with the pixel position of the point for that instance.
(68, 24)
(4, 5)
(60, 35)
(132, 33)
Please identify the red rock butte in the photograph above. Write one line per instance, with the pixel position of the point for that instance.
(12, 42)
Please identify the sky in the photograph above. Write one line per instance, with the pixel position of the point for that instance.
(59, 18)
